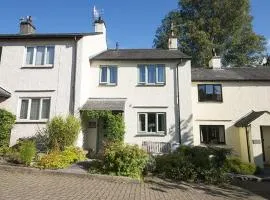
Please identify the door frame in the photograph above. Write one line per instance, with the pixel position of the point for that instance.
(262, 139)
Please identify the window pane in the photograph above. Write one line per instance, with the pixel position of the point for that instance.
(201, 91)
(45, 114)
(50, 55)
(209, 89)
(221, 134)
(217, 92)
(40, 55)
(212, 134)
(161, 122)
(203, 134)
(161, 73)
(29, 55)
(34, 114)
(113, 75)
(141, 122)
(151, 74)
(104, 74)
(152, 124)
(24, 109)
(141, 74)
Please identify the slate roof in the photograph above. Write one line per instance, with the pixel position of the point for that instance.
(45, 35)
(114, 104)
(4, 93)
(246, 120)
(231, 74)
(140, 54)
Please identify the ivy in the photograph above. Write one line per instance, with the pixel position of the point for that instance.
(7, 121)
(115, 123)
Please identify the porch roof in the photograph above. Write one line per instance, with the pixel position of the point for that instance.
(246, 120)
(4, 93)
(116, 104)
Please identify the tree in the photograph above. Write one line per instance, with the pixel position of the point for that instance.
(223, 25)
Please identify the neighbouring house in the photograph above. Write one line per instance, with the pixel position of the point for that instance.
(231, 108)
(43, 75)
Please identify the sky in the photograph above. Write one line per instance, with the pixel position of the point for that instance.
(130, 23)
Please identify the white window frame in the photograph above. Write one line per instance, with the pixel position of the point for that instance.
(146, 74)
(146, 123)
(108, 75)
(29, 99)
(35, 54)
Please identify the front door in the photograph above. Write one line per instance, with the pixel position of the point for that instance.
(265, 134)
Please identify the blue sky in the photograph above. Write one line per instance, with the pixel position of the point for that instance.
(131, 23)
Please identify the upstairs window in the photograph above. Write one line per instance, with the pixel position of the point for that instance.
(108, 75)
(151, 74)
(35, 108)
(39, 56)
(212, 134)
(152, 123)
(210, 92)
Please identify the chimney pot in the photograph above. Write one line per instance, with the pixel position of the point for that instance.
(26, 26)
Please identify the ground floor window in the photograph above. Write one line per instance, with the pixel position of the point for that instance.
(35, 108)
(152, 122)
(212, 134)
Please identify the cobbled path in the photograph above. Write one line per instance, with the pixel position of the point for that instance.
(26, 186)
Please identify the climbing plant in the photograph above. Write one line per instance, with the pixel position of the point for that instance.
(115, 123)
(7, 121)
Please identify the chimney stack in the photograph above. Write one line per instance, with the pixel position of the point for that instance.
(173, 41)
(26, 26)
(215, 62)
(100, 26)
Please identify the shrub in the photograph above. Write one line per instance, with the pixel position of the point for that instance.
(62, 132)
(41, 140)
(124, 160)
(237, 166)
(59, 160)
(7, 121)
(27, 151)
(193, 163)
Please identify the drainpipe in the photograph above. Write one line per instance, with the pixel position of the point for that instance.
(178, 100)
(248, 146)
(73, 77)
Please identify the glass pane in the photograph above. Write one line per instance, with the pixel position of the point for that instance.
(29, 55)
(151, 74)
(161, 122)
(141, 122)
(45, 114)
(141, 74)
(104, 75)
(40, 55)
(201, 91)
(161, 73)
(152, 124)
(24, 109)
(113, 75)
(217, 92)
(50, 55)
(34, 114)
(204, 138)
(209, 89)
(221, 135)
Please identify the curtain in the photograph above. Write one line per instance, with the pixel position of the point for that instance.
(24, 109)
(29, 55)
(45, 114)
(50, 55)
(40, 55)
(35, 105)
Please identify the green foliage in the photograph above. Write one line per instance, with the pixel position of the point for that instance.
(237, 166)
(7, 121)
(115, 123)
(27, 151)
(62, 132)
(59, 160)
(41, 140)
(193, 163)
(125, 160)
(223, 25)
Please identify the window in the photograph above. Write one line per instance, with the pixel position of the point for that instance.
(212, 134)
(151, 74)
(108, 75)
(40, 56)
(0, 52)
(210, 92)
(152, 122)
(35, 108)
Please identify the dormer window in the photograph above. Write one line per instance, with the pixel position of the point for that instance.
(153, 74)
(40, 56)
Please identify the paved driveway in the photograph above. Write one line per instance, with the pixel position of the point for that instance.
(28, 185)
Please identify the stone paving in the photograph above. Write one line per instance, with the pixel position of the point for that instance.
(27, 185)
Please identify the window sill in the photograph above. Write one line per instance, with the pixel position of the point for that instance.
(210, 101)
(37, 67)
(151, 85)
(214, 145)
(31, 121)
(150, 135)
(107, 85)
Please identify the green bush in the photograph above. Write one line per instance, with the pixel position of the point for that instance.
(124, 160)
(235, 165)
(41, 140)
(62, 132)
(7, 121)
(59, 160)
(27, 152)
(193, 163)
